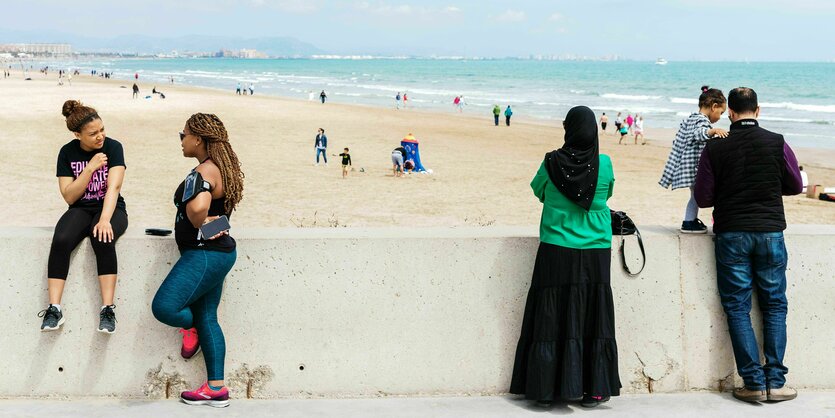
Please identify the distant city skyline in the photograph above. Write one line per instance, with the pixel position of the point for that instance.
(766, 30)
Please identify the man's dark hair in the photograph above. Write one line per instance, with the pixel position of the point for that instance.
(710, 97)
(346, 148)
(743, 100)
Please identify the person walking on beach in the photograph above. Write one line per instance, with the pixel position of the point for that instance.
(693, 133)
(618, 123)
(567, 347)
(189, 296)
(238, 89)
(136, 76)
(604, 120)
(323, 96)
(629, 122)
(639, 130)
(135, 91)
(623, 131)
(496, 112)
(321, 146)
(346, 162)
(251, 89)
(397, 101)
(456, 102)
(744, 178)
(507, 114)
(405, 100)
(90, 170)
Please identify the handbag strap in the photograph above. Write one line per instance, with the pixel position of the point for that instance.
(643, 255)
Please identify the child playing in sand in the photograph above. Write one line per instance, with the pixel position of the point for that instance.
(346, 162)
(692, 135)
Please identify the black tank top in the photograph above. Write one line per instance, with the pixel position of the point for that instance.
(186, 234)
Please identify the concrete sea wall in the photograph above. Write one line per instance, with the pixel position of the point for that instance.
(376, 312)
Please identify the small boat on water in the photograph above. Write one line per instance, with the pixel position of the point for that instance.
(661, 61)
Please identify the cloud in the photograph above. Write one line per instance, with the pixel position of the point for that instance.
(388, 9)
(555, 17)
(290, 6)
(510, 16)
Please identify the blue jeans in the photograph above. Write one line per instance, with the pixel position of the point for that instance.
(324, 153)
(189, 297)
(745, 260)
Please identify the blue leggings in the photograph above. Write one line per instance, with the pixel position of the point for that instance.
(189, 297)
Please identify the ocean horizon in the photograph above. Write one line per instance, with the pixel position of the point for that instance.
(796, 98)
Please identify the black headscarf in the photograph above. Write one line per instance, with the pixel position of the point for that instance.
(573, 168)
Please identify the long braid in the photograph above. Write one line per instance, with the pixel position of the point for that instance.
(211, 129)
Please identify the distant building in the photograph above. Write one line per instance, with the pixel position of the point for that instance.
(244, 53)
(37, 49)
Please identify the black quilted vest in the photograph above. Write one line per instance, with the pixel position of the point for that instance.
(748, 168)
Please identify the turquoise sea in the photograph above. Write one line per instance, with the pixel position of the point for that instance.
(797, 99)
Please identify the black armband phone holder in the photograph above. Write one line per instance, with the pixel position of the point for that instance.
(194, 185)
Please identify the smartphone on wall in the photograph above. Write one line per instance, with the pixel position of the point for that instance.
(214, 227)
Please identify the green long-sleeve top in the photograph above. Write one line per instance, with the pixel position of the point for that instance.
(566, 224)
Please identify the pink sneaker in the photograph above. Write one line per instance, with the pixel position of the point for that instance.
(206, 396)
(191, 345)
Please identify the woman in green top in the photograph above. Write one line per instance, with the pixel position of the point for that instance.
(567, 347)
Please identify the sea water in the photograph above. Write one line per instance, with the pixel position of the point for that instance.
(796, 99)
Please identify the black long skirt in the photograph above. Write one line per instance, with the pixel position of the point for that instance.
(567, 347)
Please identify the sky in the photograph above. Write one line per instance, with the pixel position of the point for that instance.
(713, 30)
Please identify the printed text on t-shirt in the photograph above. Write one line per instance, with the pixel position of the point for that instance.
(97, 187)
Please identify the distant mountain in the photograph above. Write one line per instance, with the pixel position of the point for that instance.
(140, 44)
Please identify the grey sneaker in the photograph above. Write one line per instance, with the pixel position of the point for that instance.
(52, 318)
(784, 393)
(107, 319)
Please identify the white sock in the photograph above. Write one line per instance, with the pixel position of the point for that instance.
(57, 306)
(103, 306)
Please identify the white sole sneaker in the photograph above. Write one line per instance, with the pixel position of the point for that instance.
(683, 231)
(48, 329)
(214, 404)
(104, 331)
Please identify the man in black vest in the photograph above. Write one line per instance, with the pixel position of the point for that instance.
(744, 177)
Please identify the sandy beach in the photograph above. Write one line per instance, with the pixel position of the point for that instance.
(481, 172)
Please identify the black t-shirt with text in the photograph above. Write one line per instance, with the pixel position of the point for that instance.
(72, 160)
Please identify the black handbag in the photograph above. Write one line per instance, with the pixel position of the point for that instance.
(623, 225)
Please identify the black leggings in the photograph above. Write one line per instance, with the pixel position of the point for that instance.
(72, 228)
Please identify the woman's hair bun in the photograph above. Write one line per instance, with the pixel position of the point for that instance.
(69, 107)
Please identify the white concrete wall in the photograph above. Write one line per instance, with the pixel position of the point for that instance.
(375, 312)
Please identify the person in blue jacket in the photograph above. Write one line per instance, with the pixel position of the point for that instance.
(507, 114)
(321, 146)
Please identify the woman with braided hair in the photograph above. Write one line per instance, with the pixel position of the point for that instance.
(189, 296)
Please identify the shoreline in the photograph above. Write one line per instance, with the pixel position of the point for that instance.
(481, 171)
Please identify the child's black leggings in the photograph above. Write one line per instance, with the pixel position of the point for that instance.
(72, 228)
